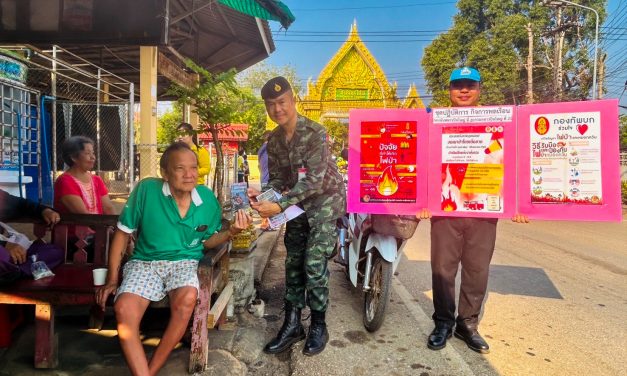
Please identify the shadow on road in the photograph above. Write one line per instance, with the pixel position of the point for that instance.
(520, 280)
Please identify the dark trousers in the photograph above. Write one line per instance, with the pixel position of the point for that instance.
(306, 272)
(48, 253)
(469, 241)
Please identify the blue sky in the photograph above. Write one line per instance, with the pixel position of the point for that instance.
(322, 26)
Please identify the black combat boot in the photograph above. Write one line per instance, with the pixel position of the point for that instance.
(291, 332)
(318, 334)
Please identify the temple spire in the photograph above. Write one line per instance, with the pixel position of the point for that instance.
(353, 35)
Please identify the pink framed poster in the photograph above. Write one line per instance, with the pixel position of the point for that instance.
(387, 161)
(472, 164)
(568, 161)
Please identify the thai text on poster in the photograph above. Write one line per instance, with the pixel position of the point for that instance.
(388, 162)
(566, 158)
(473, 149)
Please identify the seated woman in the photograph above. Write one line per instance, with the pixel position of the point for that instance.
(79, 191)
(176, 220)
(15, 248)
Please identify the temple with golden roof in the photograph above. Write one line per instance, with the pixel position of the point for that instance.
(352, 79)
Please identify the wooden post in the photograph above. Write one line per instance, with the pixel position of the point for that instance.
(148, 111)
(530, 65)
(45, 340)
(199, 351)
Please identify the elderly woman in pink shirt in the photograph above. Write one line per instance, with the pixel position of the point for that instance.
(77, 190)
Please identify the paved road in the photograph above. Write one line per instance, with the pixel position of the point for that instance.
(556, 303)
(556, 306)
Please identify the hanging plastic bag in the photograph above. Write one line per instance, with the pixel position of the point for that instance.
(40, 269)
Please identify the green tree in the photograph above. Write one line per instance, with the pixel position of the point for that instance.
(492, 36)
(216, 98)
(338, 131)
(255, 117)
(251, 81)
(168, 122)
(256, 76)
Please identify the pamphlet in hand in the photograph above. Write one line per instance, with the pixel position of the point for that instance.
(239, 197)
(281, 218)
(287, 215)
(269, 195)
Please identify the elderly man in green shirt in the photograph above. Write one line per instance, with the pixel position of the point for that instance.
(175, 220)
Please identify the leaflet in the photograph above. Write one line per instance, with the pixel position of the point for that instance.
(269, 195)
(281, 218)
(287, 215)
(239, 197)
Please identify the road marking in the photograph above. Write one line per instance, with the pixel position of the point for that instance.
(426, 325)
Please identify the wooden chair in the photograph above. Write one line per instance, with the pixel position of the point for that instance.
(72, 284)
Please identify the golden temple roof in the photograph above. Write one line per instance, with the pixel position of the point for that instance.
(352, 79)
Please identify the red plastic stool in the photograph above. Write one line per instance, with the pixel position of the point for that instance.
(10, 317)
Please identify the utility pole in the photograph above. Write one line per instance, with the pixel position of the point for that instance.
(559, 46)
(530, 65)
(601, 76)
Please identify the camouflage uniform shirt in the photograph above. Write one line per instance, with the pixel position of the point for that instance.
(321, 193)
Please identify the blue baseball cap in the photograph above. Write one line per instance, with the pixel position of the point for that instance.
(465, 73)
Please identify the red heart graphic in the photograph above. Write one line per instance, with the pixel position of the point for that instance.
(582, 128)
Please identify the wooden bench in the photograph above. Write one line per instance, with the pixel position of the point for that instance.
(72, 285)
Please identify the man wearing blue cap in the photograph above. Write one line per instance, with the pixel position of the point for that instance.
(455, 240)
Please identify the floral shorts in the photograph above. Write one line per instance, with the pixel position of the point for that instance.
(152, 280)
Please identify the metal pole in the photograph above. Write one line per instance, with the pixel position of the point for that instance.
(131, 135)
(98, 121)
(596, 49)
(40, 109)
(53, 113)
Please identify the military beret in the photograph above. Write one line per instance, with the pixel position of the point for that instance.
(275, 87)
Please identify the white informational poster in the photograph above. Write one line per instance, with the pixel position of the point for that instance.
(566, 158)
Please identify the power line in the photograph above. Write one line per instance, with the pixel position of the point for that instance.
(373, 7)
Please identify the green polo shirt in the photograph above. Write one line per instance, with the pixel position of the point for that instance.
(162, 233)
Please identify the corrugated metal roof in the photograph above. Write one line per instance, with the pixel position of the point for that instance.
(215, 37)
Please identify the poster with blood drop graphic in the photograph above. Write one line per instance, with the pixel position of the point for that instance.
(568, 161)
(473, 162)
(387, 161)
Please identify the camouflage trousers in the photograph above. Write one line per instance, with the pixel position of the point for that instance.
(306, 272)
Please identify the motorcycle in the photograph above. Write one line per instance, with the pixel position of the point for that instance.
(370, 247)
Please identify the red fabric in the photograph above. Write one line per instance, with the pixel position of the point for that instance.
(65, 185)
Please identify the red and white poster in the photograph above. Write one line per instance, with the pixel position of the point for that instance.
(568, 161)
(473, 157)
(387, 161)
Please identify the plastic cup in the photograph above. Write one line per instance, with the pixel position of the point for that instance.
(100, 276)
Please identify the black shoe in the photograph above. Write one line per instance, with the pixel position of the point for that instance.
(472, 338)
(318, 334)
(438, 337)
(291, 332)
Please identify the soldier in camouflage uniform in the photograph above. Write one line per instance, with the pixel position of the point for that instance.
(300, 166)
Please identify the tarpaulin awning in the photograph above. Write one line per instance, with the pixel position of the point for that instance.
(264, 9)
